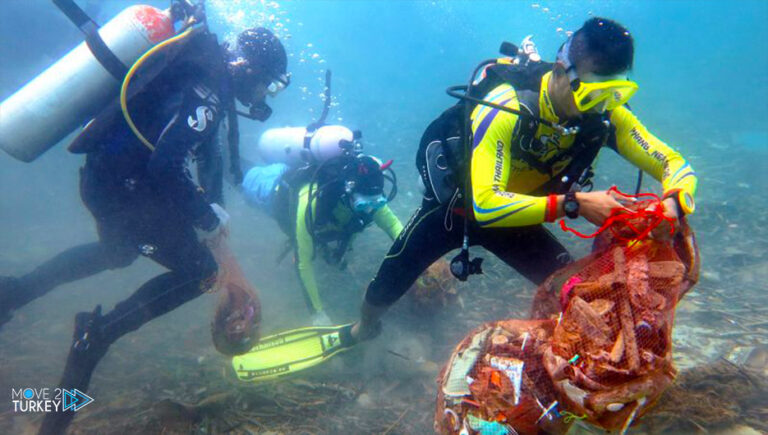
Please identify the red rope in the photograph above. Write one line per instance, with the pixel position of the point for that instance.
(648, 216)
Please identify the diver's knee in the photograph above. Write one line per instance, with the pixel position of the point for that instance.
(119, 257)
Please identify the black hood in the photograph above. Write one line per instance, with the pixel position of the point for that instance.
(365, 172)
(262, 51)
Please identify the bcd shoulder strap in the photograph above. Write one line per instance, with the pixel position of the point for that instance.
(524, 141)
(594, 134)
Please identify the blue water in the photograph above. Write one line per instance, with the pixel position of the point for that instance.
(703, 75)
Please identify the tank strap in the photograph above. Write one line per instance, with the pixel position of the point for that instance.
(312, 128)
(93, 40)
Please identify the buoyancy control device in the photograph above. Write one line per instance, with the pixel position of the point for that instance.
(444, 163)
(451, 154)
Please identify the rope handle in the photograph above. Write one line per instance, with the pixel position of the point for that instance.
(650, 211)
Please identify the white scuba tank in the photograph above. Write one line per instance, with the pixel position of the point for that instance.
(286, 145)
(77, 87)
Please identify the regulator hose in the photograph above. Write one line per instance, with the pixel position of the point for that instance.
(136, 65)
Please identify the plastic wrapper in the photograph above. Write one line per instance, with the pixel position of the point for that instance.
(235, 326)
(495, 382)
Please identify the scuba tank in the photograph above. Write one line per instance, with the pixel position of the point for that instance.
(287, 145)
(78, 86)
(311, 145)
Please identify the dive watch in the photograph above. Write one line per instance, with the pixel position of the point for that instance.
(571, 205)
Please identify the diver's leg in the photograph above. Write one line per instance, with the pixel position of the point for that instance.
(193, 270)
(533, 251)
(94, 333)
(71, 265)
(424, 240)
(114, 250)
(114, 213)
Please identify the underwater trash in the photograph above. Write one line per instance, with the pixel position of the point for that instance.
(601, 350)
(235, 326)
(611, 353)
(435, 288)
(495, 382)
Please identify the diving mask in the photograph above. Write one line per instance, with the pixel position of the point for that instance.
(594, 92)
(367, 203)
(277, 85)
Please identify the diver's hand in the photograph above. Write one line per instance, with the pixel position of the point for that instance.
(218, 231)
(670, 208)
(663, 230)
(597, 206)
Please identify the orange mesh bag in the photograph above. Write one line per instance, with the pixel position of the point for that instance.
(611, 353)
(547, 300)
(235, 327)
(435, 288)
(495, 382)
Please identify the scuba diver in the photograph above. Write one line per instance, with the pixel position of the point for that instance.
(137, 184)
(321, 208)
(521, 143)
(322, 191)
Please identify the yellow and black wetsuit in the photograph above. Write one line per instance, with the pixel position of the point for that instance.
(333, 227)
(508, 201)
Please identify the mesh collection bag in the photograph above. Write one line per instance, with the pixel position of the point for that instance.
(610, 357)
(495, 382)
(611, 352)
(602, 349)
(547, 301)
(235, 326)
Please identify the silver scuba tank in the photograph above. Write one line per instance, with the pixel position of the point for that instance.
(77, 87)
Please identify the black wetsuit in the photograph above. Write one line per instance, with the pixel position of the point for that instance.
(144, 203)
(435, 229)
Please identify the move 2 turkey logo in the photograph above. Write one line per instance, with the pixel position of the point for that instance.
(32, 400)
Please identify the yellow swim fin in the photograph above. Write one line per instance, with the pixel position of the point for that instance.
(291, 351)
